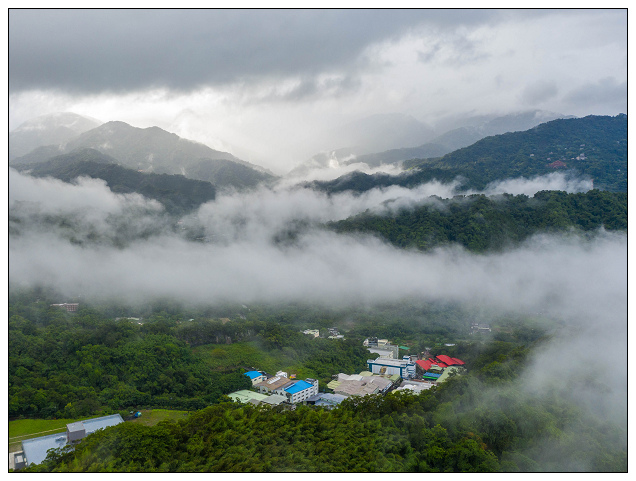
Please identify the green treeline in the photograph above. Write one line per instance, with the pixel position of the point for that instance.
(481, 223)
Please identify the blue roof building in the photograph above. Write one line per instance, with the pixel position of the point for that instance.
(300, 391)
(297, 387)
(255, 377)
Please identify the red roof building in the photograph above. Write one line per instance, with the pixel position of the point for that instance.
(424, 365)
(557, 164)
(449, 361)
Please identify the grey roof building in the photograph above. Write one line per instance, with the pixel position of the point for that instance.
(35, 449)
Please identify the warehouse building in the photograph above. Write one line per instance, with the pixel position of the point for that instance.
(326, 400)
(34, 450)
(245, 396)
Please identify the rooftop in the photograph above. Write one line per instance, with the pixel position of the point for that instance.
(274, 399)
(245, 396)
(274, 383)
(35, 449)
(253, 374)
(298, 386)
(389, 362)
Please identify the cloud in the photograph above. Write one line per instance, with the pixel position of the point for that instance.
(266, 82)
(578, 283)
(243, 261)
(539, 92)
(118, 50)
(605, 91)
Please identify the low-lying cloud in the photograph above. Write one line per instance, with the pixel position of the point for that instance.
(580, 283)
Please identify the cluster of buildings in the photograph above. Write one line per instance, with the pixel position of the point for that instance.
(277, 389)
(382, 347)
(283, 389)
(333, 333)
(34, 450)
(437, 369)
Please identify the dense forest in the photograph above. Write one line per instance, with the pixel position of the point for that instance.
(88, 363)
(74, 364)
(480, 223)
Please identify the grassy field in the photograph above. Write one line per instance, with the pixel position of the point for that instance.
(250, 355)
(22, 429)
(150, 417)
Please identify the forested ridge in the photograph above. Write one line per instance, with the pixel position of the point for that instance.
(594, 147)
(480, 223)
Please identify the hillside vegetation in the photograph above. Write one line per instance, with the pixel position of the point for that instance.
(594, 147)
(176, 193)
(480, 223)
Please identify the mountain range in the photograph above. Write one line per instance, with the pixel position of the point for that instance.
(594, 146)
(51, 129)
(426, 142)
(182, 174)
(153, 150)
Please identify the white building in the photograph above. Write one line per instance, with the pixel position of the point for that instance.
(404, 368)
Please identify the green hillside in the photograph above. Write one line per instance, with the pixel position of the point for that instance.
(594, 146)
(177, 193)
(481, 223)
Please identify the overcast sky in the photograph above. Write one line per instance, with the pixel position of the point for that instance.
(263, 84)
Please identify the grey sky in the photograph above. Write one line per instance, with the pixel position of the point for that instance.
(267, 84)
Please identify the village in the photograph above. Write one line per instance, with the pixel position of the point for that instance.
(385, 373)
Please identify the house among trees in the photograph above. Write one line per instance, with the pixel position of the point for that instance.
(557, 164)
(70, 307)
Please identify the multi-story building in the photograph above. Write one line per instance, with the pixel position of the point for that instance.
(72, 307)
(294, 391)
(301, 390)
(404, 368)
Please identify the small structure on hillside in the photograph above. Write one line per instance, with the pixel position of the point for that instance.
(70, 307)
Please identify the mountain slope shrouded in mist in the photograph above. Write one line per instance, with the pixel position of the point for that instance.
(594, 146)
(463, 132)
(52, 129)
(176, 193)
(157, 151)
(269, 246)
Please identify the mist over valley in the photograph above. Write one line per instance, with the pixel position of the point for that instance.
(265, 222)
